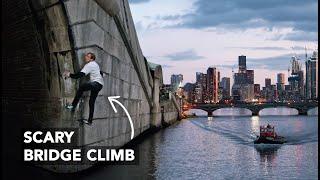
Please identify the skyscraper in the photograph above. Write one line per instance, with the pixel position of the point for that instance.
(190, 92)
(240, 78)
(212, 84)
(317, 75)
(296, 80)
(198, 75)
(176, 81)
(250, 77)
(280, 81)
(204, 87)
(242, 63)
(247, 92)
(201, 87)
(267, 83)
(301, 83)
(281, 78)
(311, 77)
(256, 90)
(225, 84)
(197, 94)
(295, 65)
(243, 82)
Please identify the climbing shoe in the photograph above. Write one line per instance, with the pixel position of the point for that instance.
(87, 122)
(70, 107)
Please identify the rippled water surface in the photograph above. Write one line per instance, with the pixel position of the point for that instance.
(223, 149)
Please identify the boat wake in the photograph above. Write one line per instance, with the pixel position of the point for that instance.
(296, 138)
(241, 135)
(245, 138)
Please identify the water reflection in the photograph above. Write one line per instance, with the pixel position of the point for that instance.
(268, 157)
(255, 124)
(267, 152)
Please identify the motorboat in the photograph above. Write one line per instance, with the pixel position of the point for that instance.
(269, 136)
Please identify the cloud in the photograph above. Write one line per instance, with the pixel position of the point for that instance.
(301, 16)
(166, 66)
(170, 17)
(297, 48)
(227, 66)
(281, 62)
(301, 36)
(187, 55)
(275, 48)
(138, 1)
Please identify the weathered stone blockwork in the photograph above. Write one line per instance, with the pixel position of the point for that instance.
(94, 30)
(46, 37)
(170, 113)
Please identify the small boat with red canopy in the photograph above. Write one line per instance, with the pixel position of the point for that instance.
(269, 136)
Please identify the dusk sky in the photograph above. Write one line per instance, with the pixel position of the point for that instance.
(188, 36)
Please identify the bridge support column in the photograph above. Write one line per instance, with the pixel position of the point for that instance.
(302, 111)
(254, 110)
(255, 113)
(210, 113)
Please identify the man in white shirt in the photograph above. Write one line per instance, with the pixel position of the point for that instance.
(95, 84)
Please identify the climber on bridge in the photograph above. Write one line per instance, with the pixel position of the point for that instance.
(95, 84)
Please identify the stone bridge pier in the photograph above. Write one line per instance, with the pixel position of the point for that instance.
(44, 38)
(255, 110)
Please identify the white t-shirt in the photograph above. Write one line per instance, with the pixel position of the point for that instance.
(93, 69)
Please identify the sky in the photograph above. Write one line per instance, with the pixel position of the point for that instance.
(188, 36)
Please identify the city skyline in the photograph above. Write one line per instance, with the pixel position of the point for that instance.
(185, 38)
(274, 78)
(211, 88)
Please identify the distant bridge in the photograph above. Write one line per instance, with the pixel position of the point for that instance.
(255, 108)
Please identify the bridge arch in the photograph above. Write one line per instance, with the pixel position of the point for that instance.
(278, 111)
(232, 111)
(198, 112)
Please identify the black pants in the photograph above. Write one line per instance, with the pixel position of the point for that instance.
(94, 87)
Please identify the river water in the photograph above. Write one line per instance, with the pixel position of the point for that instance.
(223, 149)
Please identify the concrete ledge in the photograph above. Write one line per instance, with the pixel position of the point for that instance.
(110, 6)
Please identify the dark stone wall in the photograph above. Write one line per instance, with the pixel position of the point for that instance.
(23, 60)
(32, 85)
(32, 60)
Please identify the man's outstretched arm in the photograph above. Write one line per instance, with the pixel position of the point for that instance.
(77, 75)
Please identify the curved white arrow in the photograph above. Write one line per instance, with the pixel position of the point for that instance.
(114, 99)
